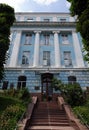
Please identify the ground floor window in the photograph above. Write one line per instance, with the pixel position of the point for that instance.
(72, 79)
(21, 82)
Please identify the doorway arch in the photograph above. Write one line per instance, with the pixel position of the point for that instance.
(21, 82)
(47, 90)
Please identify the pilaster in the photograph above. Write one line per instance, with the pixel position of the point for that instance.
(15, 50)
(36, 48)
(77, 50)
(57, 49)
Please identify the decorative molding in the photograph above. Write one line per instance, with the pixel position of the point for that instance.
(56, 31)
(42, 23)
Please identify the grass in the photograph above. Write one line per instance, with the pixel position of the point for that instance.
(12, 105)
(83, 112)
(7, 101)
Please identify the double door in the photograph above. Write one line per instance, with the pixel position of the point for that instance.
(47, 90)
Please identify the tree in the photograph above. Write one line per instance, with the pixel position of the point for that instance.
(7, 17)
(80, 8)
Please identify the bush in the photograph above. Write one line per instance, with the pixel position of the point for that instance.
(7, 101)
(13, 104)
(74, 94)
(22, 94)
(82, 111)
(25, 96)
(10, 116)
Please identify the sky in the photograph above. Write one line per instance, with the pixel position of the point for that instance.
(38, 5)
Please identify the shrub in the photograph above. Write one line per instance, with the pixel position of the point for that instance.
(74, 94)
(7, 101)
(10, 116)
(13, 103)
(83, 113)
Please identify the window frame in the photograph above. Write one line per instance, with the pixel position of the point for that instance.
(67, 58)
(46, 58)
(28, 39)
(25, 58)
(46, 39)
(65, 38)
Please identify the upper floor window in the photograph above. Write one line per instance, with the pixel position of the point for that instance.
(67, 58)
(46, 58)
(65, 39)
(30, 19)
(28, 39)
(25, 57)
(46, 20)
(62, 20)
(46, 39)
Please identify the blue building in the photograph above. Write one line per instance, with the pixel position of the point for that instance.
(43, 46)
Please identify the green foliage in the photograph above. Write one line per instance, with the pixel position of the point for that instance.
(25, 97)
(12, 105)
(6, 101)
(83, 113)
(7, 14)
(56, 84)
(10, 116)
(81, 9)
(77, 6)
(7, 17)
(73, 94)
(22, 95)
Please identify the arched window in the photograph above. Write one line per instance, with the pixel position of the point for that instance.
(72, 79)
(21, 82)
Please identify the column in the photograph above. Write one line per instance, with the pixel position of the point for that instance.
(77, 50)
(15, 50)
(36, 49)
(57, 49)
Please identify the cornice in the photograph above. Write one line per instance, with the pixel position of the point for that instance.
(46, 68)
(44, 24)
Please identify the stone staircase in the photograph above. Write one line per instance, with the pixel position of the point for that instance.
(48, 116)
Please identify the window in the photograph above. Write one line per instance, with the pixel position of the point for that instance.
(21, 82)
(67, 58)
(28, 39)
(65, 39)
(30, 19)
(63, 20)
(46, 20)
(72, 79)
(46, 58)
(25, 57)
(46, 39)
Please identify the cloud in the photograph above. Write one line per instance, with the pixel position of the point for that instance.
(45, 2)
(16, 4)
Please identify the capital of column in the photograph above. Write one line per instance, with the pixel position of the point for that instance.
(37, 31)
(56, 31)
(19, 31)
(74, 31)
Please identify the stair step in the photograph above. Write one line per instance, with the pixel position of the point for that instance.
(49, 124)
(48, 115)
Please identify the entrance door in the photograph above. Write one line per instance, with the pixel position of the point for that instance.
(47, 90)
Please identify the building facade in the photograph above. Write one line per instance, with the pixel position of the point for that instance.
(43, 46)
